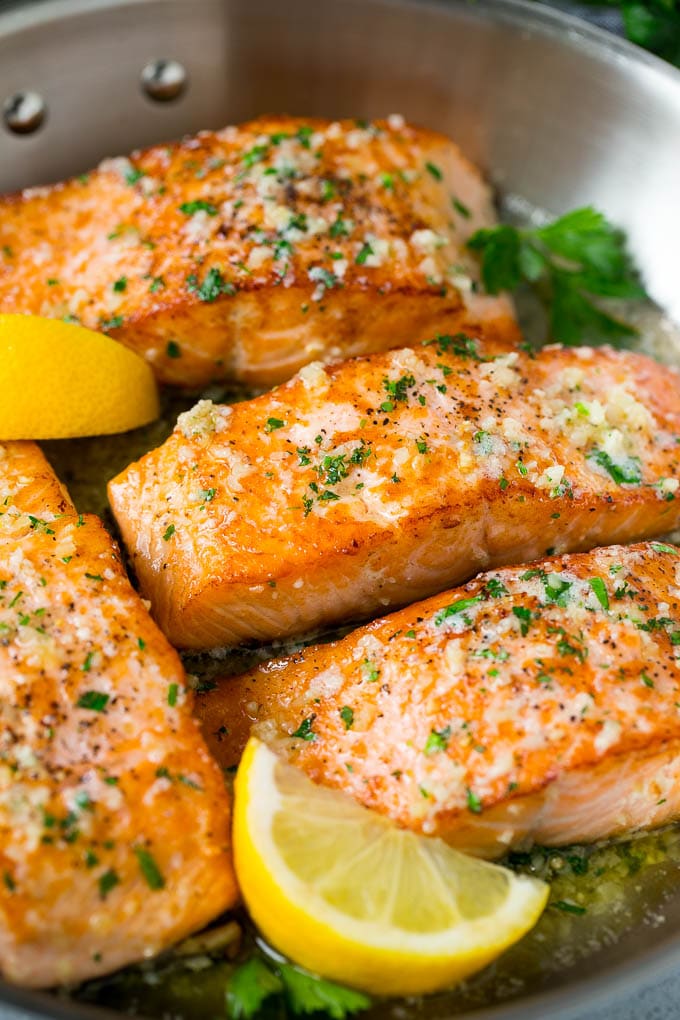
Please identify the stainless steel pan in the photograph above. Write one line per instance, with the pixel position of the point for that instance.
(556, 113)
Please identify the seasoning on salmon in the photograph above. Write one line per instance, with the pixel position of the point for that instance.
(246, 253)
(538, 703)
(381, 480)
(114, 820)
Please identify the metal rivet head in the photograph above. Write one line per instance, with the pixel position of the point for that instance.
(24, 112)
(164, 80)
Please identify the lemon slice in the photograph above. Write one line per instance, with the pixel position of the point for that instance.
(58, 380)
(344, 893)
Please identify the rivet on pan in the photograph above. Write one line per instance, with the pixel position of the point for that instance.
(164, 80)
(24, 112)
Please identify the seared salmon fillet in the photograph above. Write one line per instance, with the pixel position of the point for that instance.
(382, 480)
(245, 253)
(114, 820)
(536, 704)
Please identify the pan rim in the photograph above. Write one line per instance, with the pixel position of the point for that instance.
(622, 977)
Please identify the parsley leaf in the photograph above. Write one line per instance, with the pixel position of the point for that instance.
(212, 287)
(627, 472)
(309, 994)
(249, 986)
(654, 24)
(455, 608)
(255, 981)
(577, 258)
(149, 869)
(198, 205)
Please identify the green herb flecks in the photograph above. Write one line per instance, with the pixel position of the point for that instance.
(457, 608)
(149, 869)
(304, 730)
(625, 472)
(94, 701)
(438, 740)
(347, 716)
(213, 286)
(600, 591)
(198, 205)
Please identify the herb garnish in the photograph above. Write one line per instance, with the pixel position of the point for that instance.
(256, 981)
(578, 257)
(198, 205)
(212, 287)
(95, 701)
(627, 472)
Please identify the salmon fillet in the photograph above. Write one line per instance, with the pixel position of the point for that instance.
(536, 704)
(244, 254)
(381, 480)
(114, 820)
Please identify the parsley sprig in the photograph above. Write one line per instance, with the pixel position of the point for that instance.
(654, 24)
(577, 258)
(256, 981)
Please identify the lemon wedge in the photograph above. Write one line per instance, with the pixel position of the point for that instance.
(346, 894)
(59, 380)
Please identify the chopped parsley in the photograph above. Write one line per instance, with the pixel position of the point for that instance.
(95, 701)
(272, 424)
(524, 616)
(173, 691)
(494, 589)
(568, 907)
(366, 250)
(347, 716)
(456, 608)
(340, 228)
(438, 740)
(371, 673)
(213, 286)
(169, 532)
(660, 547)
(173, 349)
(198, 205)
(460, 344)
(120, 285)
(627, 472)
(255, 155)
(108, 881)
(149, 869)
(134, 175)
(600, 591)
(474, 804)
(483, 443)
(324, 278)
(556, 589)
(115, 322)
(304, 730)
(460, 207)
(434, 171)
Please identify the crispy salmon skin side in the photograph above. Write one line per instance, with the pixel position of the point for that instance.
(537, 703)
(381, 480)
(245, 253)
(114, 820)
